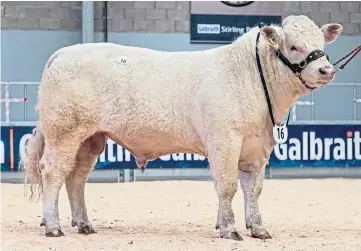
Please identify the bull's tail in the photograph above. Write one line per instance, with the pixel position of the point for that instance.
(29, 162)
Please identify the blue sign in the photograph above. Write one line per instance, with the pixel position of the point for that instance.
(319, 146)
(223, 29)
(307, 145)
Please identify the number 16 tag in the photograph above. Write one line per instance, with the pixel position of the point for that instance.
(280, 133)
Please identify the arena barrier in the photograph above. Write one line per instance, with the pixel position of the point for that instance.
(308, 146)
(294, 107)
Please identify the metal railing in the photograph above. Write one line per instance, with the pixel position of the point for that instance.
(356, 101)
(8, 100)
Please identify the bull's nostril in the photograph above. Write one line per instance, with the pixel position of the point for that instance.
(323, 72)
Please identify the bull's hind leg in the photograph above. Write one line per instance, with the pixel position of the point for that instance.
(58, 161)
(76, 180)
(252, 184)
(223, 155)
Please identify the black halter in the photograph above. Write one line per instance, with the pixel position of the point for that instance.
(297, 68)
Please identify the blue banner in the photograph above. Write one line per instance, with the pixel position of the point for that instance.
(308, 145)
(319, 146)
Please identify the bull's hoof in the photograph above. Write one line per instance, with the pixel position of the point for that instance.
(53, 232)
(236, 236)
(83, 228)
(232, 236)
(260, 234)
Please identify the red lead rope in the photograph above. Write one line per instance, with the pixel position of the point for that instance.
(354, 52)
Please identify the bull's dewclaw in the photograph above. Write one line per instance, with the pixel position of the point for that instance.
(154, 103)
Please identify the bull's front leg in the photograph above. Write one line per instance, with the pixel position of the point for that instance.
(252, 185)
(223, 155)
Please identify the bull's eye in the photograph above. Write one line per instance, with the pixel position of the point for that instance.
(293, 48)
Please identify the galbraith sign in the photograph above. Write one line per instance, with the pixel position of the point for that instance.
(320, 146)
(223, 29)
(307, 145)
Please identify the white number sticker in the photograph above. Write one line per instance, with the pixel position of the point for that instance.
(280, 133)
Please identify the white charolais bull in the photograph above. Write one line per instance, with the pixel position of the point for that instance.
(154, 103)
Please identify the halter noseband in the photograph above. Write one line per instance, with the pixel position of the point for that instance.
(297, 68)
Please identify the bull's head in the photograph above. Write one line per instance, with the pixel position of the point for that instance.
(300, 42)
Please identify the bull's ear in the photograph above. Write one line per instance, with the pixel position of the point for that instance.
(331, 32)
(271, 35)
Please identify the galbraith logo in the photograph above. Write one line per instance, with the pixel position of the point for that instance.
(218, 29)
(320, 149)
(208, 28)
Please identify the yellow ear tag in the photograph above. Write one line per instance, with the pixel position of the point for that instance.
(272, 41)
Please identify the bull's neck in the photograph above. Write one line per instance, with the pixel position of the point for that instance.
(280, 81)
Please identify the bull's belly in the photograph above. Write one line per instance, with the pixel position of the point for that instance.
(149, 128)
(151, 147)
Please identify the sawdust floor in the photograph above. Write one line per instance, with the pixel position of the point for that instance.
(181, 215)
